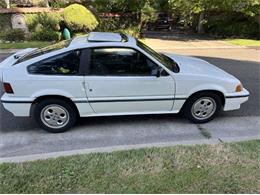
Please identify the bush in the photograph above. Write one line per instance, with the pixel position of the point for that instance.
(133, 31)
(45, 35)
(233, 27)
(58, 3)
(14, 35)
(78, 18)
(2, 4)
(44, 26)
(5, 22)
(48, 20)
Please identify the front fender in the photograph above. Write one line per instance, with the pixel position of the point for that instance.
(207, 87)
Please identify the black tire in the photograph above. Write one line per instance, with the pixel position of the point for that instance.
(70, 111)
(190, 104)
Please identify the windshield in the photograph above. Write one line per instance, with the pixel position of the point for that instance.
(44, 50)
(163, 59)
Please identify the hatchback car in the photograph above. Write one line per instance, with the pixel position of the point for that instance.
(105, 74)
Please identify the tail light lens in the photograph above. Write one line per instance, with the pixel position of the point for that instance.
(8, 88)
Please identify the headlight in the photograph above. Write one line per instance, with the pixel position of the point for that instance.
(239, 88)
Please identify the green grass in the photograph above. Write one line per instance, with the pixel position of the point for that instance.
(24, 45)
(244, 42)
(222, 168)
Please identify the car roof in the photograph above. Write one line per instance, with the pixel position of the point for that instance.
(102, 38)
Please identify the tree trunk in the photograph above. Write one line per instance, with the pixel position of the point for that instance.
(46, 2)
(7, 2)
(200, 24)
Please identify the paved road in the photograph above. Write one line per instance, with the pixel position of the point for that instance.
(21, 136)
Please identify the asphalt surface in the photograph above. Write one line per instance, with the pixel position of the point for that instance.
(21, 136)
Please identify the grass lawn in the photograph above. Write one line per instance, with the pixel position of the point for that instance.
(223, 168)
(244, 42)
(24, 45)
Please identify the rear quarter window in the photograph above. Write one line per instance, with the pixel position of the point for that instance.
(63, 64)
(44, 50)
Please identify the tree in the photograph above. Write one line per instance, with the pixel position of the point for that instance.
(190, 8)
(148, 13)
(7, 2)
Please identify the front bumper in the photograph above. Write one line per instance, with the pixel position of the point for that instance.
(233, 101)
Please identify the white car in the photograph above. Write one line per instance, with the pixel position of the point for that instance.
(105, 74)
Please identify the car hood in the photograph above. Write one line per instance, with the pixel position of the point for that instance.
(196, 66)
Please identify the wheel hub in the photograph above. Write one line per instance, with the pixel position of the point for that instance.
(203, 108)
(55, 116)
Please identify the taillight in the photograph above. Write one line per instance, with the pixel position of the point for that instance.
(8, 88)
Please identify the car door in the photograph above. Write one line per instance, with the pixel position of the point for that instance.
(124, 80)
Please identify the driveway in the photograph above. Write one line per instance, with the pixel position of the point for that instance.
(21, 136)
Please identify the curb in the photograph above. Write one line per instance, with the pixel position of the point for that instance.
(108, 149)
(52, 155)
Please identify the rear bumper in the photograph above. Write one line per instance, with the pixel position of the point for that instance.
(21, 109)
(18, 107)
(233, 101)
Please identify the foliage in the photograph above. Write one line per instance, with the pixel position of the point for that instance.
(244, 42)
(44, 26)
(2, 4)
(148, 13)
(14, 35)
(78, 18)
(24, 45)
(45, 35)
(50, 21)
(189, 12)
(118, 25)
(132, 30)
(5, 22)
(248, 7)
(232, 26)
(58, 3)
(121, 6)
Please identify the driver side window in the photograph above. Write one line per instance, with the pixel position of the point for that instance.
(63, 64)
(120, 62)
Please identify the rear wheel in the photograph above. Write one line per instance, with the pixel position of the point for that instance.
(55, 115)
(202, 107)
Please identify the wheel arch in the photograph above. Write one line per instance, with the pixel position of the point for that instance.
(60, 97)
(219, 93)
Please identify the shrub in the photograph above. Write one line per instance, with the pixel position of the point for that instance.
(48, 20)
(78, 18)
(133, 31)
(14, 35)
(2, 4)
(46, 35)
(5, 22)
(44, 26)
(58, 3)
(233, 27)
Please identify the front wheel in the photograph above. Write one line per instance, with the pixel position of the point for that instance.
(203, 107)
(55, 115)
